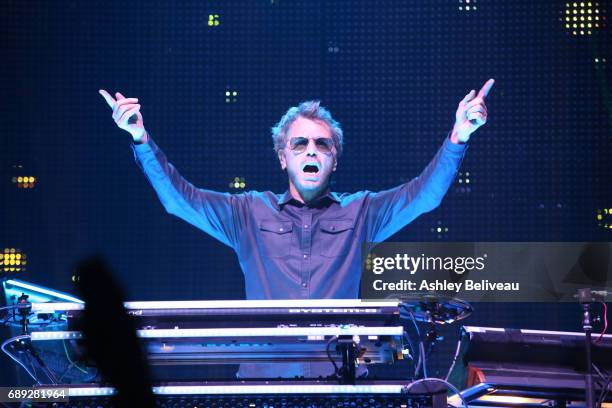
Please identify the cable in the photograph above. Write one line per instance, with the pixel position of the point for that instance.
(457, 350)
(15, 359)
(604, 392)
(29, 357)
(423, 359)
(446, 383)
(605, 313)
(66, 372)
(422, 364)
(416, 355)
(70, 360)
(334, 338)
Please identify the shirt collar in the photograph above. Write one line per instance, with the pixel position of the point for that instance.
(286, 197)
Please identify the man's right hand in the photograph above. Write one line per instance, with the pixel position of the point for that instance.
(126, 114)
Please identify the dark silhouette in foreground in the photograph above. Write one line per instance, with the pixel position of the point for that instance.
(110, 335)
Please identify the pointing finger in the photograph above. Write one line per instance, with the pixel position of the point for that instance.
(119, 96)
(484, 91)
(109, 99)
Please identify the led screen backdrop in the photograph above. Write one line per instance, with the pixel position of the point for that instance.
(213, 77)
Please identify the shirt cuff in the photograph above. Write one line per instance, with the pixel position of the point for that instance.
(142, 149)
(454, 147)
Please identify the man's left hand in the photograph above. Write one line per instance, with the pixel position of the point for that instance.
(471, 113)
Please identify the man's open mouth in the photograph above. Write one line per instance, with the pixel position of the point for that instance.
(310, 168)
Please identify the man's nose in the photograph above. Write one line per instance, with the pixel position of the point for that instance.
(311, 149)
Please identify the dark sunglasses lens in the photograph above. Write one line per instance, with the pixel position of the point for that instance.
(324, 145)
(299, 144)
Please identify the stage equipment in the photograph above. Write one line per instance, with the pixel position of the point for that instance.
(529, 367)
(344, 334)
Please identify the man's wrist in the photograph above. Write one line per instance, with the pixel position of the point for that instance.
(144, 138)
(456, 139)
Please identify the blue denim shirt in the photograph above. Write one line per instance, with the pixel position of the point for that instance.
(289, 250)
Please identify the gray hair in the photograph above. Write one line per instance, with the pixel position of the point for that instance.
(309, 110)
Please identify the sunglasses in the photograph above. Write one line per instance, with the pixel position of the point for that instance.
(300, 144)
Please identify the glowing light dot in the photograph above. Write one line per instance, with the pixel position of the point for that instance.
(467, 181)
(599, 217)
(227, 93)
(20, 179)
(235, 93)
(236, 185)
(439, 229)
(467, 7)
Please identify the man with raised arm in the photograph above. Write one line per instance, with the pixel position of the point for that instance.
(305, 243)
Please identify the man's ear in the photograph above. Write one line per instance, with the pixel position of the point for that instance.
(281, 158)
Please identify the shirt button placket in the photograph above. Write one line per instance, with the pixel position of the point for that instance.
(306, 246)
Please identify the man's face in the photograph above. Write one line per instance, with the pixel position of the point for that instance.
(309, 156)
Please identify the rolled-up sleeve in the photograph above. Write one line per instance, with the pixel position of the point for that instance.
(390, 210)
(222, 215)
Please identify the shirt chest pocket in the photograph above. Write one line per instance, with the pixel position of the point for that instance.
(276, 237)
(335, 237)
